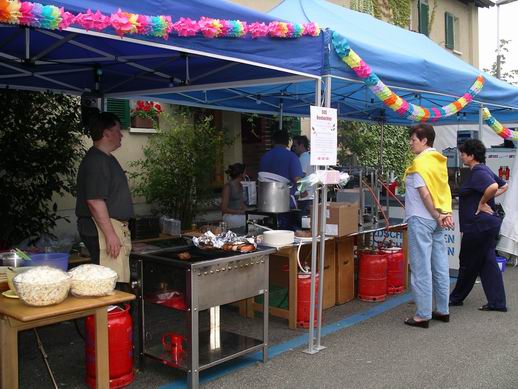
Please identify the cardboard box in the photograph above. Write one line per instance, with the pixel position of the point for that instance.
(341, 219)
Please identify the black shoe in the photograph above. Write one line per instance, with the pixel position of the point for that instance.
(413, 323)
(455, 303)
(486, 308)
(440, 317)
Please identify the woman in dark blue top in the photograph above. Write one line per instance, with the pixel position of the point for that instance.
(479, 226)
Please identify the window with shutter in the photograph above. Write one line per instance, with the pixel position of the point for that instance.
(449, 33)
(121, 108)
(423, 16)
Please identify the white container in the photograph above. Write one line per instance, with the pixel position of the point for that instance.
(92, 280)
(42, 286)
(278, 238)
(170, 226)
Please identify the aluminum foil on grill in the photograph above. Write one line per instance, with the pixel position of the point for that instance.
(209, 239)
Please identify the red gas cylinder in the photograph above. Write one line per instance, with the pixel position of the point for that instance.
(120, 348)
(396, 269)
(372, 276)
(303, 299)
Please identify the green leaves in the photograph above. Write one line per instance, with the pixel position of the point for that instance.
(40, 144)
(179, 165)
(360, 144)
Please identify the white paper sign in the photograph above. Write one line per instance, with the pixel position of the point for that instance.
(324, 138)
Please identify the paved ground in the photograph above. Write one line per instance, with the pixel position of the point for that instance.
(375, 350)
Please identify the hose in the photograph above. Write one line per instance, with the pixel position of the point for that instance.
(305, 271)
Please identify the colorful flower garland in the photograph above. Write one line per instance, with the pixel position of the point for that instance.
(393, 101)
(498, 127)
(52, 18)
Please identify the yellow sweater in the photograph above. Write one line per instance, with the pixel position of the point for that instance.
(431, 165)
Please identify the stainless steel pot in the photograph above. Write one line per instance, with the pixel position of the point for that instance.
(11, 259)
(273, 197)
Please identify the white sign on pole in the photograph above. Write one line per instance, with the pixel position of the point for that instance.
(324, 136)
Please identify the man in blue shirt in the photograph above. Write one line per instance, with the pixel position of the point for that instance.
(280, 160)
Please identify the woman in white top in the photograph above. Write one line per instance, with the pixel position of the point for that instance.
(232, 204)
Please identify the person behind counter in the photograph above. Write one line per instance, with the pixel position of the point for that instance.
(301, 148)
(427, 211)
(281, 161)
(480, 227)
(104, 205)
(232, 204)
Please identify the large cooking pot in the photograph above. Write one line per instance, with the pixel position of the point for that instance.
(273, 197)
(11, 259)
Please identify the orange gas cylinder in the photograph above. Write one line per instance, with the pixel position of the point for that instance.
(395, 269)
(303, 299)
(372, 276)
(120, 348)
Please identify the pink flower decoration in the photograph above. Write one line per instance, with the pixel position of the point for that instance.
(311, 29)
(92, 21)
(143, 24)
(186, 27)
(278, 29)
(225, 27)
(258, 30)
(468, 97)
(66, 19)
(437, 114)
(121, 22)
(506, 133)
(404, 108)
(363, 71)
(27, 17)
(208, 27)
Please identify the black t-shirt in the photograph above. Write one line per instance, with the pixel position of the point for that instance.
(100, 176)
(469, 196)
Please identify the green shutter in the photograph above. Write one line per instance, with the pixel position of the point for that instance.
(423, 17)
(121, 108)
(448, 31)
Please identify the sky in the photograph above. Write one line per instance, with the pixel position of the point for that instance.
(488, 31)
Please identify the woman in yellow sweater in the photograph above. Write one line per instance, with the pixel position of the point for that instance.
(427, 212)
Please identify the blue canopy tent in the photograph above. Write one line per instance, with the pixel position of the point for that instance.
(76, 61)
(411, 64)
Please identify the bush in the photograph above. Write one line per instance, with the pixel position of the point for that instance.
(362, 140)
(40, 145)
(178, 165)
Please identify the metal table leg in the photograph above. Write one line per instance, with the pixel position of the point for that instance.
(193, 374)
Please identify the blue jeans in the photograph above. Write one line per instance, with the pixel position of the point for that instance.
(429, 268)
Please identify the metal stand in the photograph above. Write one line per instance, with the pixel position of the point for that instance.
(312, 347)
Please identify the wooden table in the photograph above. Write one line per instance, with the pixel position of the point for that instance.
(283, 272)
(16, 316)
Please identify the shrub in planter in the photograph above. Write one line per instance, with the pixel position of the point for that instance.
(178, 165)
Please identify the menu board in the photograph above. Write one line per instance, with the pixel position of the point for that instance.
(324, 138)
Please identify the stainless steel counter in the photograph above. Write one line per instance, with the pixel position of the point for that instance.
(207, 281)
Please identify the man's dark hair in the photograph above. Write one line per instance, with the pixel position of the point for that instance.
(475, 148)
(421, 131)
(302, 140)
(281, 138)
(104, 121)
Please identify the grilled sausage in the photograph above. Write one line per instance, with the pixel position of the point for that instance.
(247, 248)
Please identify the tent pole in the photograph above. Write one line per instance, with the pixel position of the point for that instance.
(314, 243)
(382, 145)
(281, 106)
(480, 122)
(323, 212)
(27, 43)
